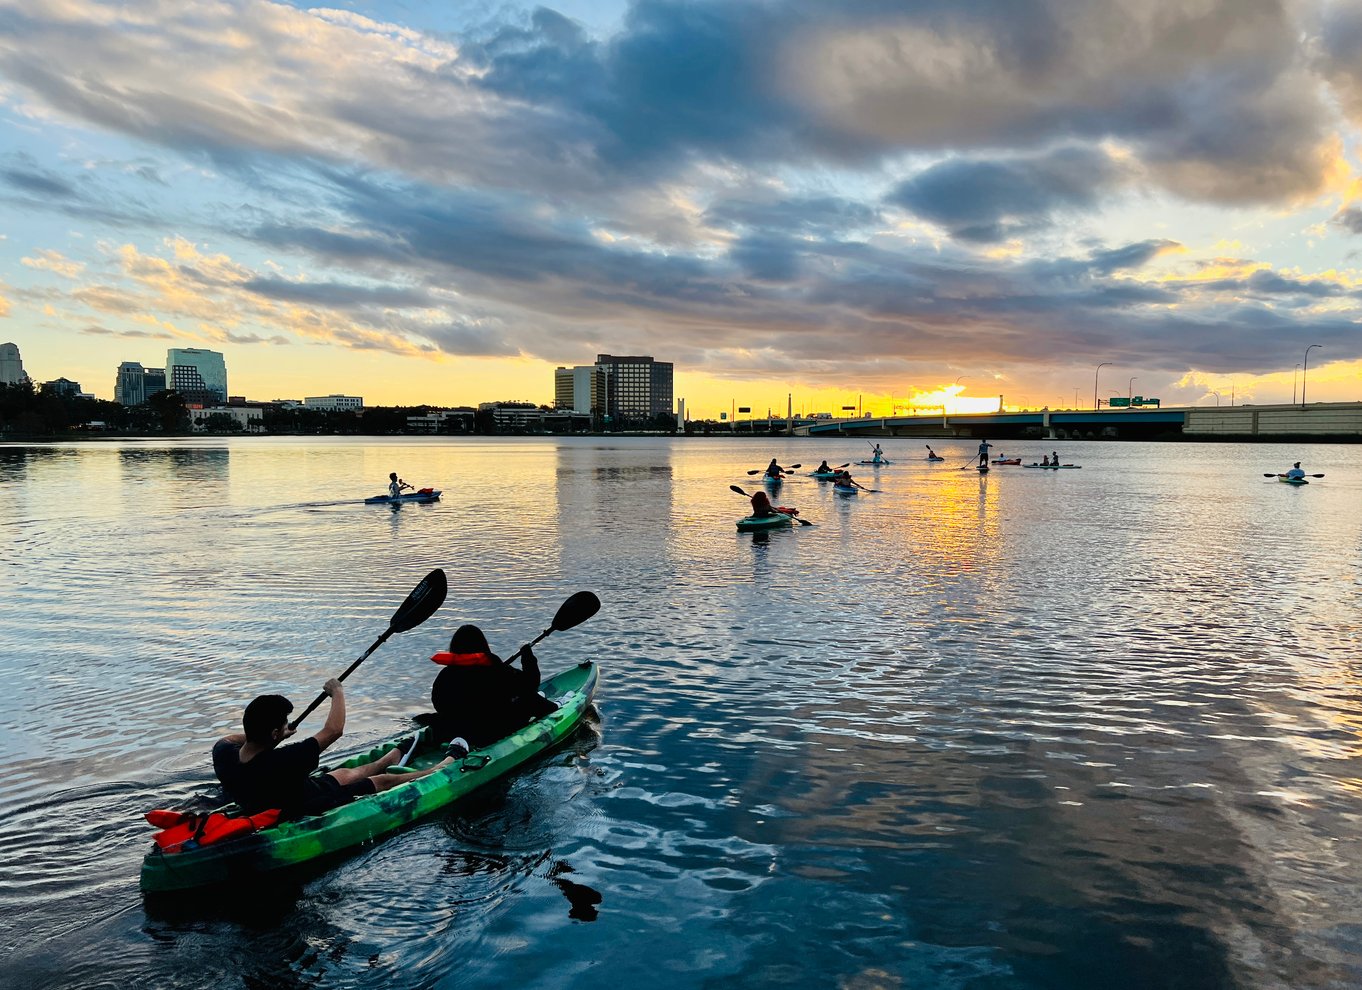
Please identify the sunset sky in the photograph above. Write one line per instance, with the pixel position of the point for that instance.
(849, 202)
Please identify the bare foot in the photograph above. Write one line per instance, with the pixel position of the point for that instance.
(388, 759)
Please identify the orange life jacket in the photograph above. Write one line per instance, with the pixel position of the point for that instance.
(446, 659)
(182, 830)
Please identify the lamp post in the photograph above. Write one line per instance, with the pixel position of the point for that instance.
(1305, 368)
(1293, 384)
(1130, 388)
(1095, 407)
(1217, 396)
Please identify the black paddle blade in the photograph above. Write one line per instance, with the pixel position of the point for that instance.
(735, 488)
(421, 604)
(576, 610)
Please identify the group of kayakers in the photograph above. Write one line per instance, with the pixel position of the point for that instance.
(477, 698)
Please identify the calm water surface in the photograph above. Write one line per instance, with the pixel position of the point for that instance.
(1039, 729)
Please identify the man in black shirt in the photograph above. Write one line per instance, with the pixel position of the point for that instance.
(257, 773)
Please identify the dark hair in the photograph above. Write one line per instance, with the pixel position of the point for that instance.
(393, 475)
(263, 715)
(468, 639)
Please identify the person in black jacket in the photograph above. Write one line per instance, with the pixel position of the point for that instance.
(480, 698)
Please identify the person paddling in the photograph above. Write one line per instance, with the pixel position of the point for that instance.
(823, 468)
(396, 485)
(1044, 460)
(774, 470)
(931, 455)
(983, 453)
(258, 774)
(1296, 473)
(480, 698)
(877, 455)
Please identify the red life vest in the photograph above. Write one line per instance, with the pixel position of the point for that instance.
(446, 659)
(182, 830)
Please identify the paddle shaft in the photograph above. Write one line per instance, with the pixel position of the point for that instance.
(348, 671)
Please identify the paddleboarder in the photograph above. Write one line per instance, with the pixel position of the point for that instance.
(983, 453)
(259, 774)
(878, 454)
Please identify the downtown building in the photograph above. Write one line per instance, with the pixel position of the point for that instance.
(198, 374)
(579, 389)
(11, 365)
(637, 389)
(136, 384)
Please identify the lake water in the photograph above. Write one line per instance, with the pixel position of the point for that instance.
(1036, 729)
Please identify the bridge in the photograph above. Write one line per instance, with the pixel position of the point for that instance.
(1318, 420)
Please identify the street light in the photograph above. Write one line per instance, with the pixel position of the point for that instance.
(1130, 388)
(1217, 396)
(1293, 384)
(1095, 407)
(1305, 368)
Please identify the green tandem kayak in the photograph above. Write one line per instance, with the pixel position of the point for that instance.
(366, 819)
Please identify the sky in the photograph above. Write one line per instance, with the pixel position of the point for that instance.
(866, 203)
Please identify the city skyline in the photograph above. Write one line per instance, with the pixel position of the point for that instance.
(444, 206)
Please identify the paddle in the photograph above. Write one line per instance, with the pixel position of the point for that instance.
(1283, 476)
(872, 491)
(419, 606)
(573, 612)
(802, 522)
(783, 470)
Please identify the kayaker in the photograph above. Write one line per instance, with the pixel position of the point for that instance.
(878, 454)
(1054, 458)
(1295, 474)
(931, 454)
(983, 452)
(822, 468)
(774, 470)
(1044, 460)
(396, 485)
(761, 506)
(479, 697)
(258, 774)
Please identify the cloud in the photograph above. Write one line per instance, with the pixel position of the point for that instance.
(52, 261)
(1350, 219)
(991, 201)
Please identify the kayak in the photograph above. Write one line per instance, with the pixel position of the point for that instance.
(247, 858)
(845, 489)
(1292, 481)
(1007, 460)
(936, 458)
(772, 482)
(424, 495)
(1054, 467)
(757, 524)
(879, 463)
(823, 475)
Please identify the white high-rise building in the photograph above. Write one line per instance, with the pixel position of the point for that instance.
(11, 365)
(580, 389)
(199, 375)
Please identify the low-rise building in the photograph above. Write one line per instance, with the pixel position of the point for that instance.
(334, 403)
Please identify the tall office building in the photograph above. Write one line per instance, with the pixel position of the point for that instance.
(197, 374)
(130, 385)
(579, 389)
(11, 365)
(136, 384)
(636, 387)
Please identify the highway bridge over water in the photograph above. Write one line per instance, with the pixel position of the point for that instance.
(1318, 420)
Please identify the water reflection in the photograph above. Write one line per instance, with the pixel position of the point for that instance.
(1021, 730)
